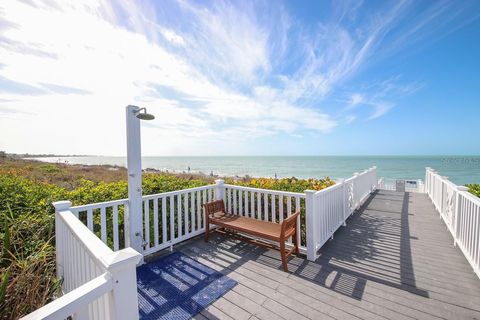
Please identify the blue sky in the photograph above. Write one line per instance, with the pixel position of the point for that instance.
(241, 77)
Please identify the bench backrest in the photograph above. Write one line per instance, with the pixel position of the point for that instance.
(214, 206)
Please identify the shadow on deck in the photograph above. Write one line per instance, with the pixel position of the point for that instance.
(394, 260)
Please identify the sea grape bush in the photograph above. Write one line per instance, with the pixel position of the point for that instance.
(27, 190)
(286, 184)
(474, 189)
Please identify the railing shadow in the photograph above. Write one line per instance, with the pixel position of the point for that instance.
(176, 288)
(374, 246)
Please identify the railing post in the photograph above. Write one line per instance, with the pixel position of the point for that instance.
(219, 189)
(434, 188)
(427, 180)
(457, 213)
(59, 249)
(344, 208)
(443, 196)
(123, 299)
(375, 179)
(354, 190)
(311, 224)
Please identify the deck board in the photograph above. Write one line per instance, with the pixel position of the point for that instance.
(395, 259)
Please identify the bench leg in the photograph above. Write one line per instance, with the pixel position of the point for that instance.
(295, 243)
(283, 254)
(207, 229)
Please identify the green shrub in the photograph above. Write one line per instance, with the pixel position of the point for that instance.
(474, 189)
(27, 265)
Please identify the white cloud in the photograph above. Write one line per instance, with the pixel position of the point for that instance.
(222, 75)
(173, 37)
(356, 99)
(112, 67)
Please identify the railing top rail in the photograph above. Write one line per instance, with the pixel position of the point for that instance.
(330, 188)
(175, 192)
(471, 197)
(285, 193)
(95, 247)
(98, 205)
(69, 303)
(444, 179)
(395, 179)
(364, 172)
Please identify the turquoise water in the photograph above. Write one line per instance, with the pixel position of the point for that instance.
(459, 169)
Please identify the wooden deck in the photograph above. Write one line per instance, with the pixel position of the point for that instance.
(394, 260)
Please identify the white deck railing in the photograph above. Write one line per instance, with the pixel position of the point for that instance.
(98, 275)
(97, 283)
(460, 210)
(328, 209)
(99, 278)
(173, 217)
(409, 185)
(99, 216)
(267, 205)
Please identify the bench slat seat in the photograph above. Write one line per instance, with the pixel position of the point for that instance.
(263, 229)
(215, 214)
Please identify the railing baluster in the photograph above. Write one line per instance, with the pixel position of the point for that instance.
(246, 203)
(186, 213)
(172, 217)
(90, 219)
(299, 220)
(229, 200)
(155, 222)
(265, 206)
(103, 225)
(274, 214)
(78, 265)
(192, 206)
(67, 261)
(289, 206)
(164, 219)
(240, 202)
(179, 215)
(199, 211)
(252, 204)
(259, 206)
(146, 221)
(280, 207)
(235, 209)
(115, 228)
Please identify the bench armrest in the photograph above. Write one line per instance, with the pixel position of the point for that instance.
(289, 224)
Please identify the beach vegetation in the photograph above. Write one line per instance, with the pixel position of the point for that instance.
(474, 189)
(27, 190)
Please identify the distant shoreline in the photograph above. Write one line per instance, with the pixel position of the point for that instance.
(192, 173)
(460, 169)
(122, 170)
(27, 155)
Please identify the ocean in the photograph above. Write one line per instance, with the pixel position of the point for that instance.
(459, 169)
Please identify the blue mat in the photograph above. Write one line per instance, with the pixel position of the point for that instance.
(178, 287)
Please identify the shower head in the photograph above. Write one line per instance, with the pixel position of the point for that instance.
(144, 115)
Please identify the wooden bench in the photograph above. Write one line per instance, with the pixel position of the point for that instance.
(215, 214)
